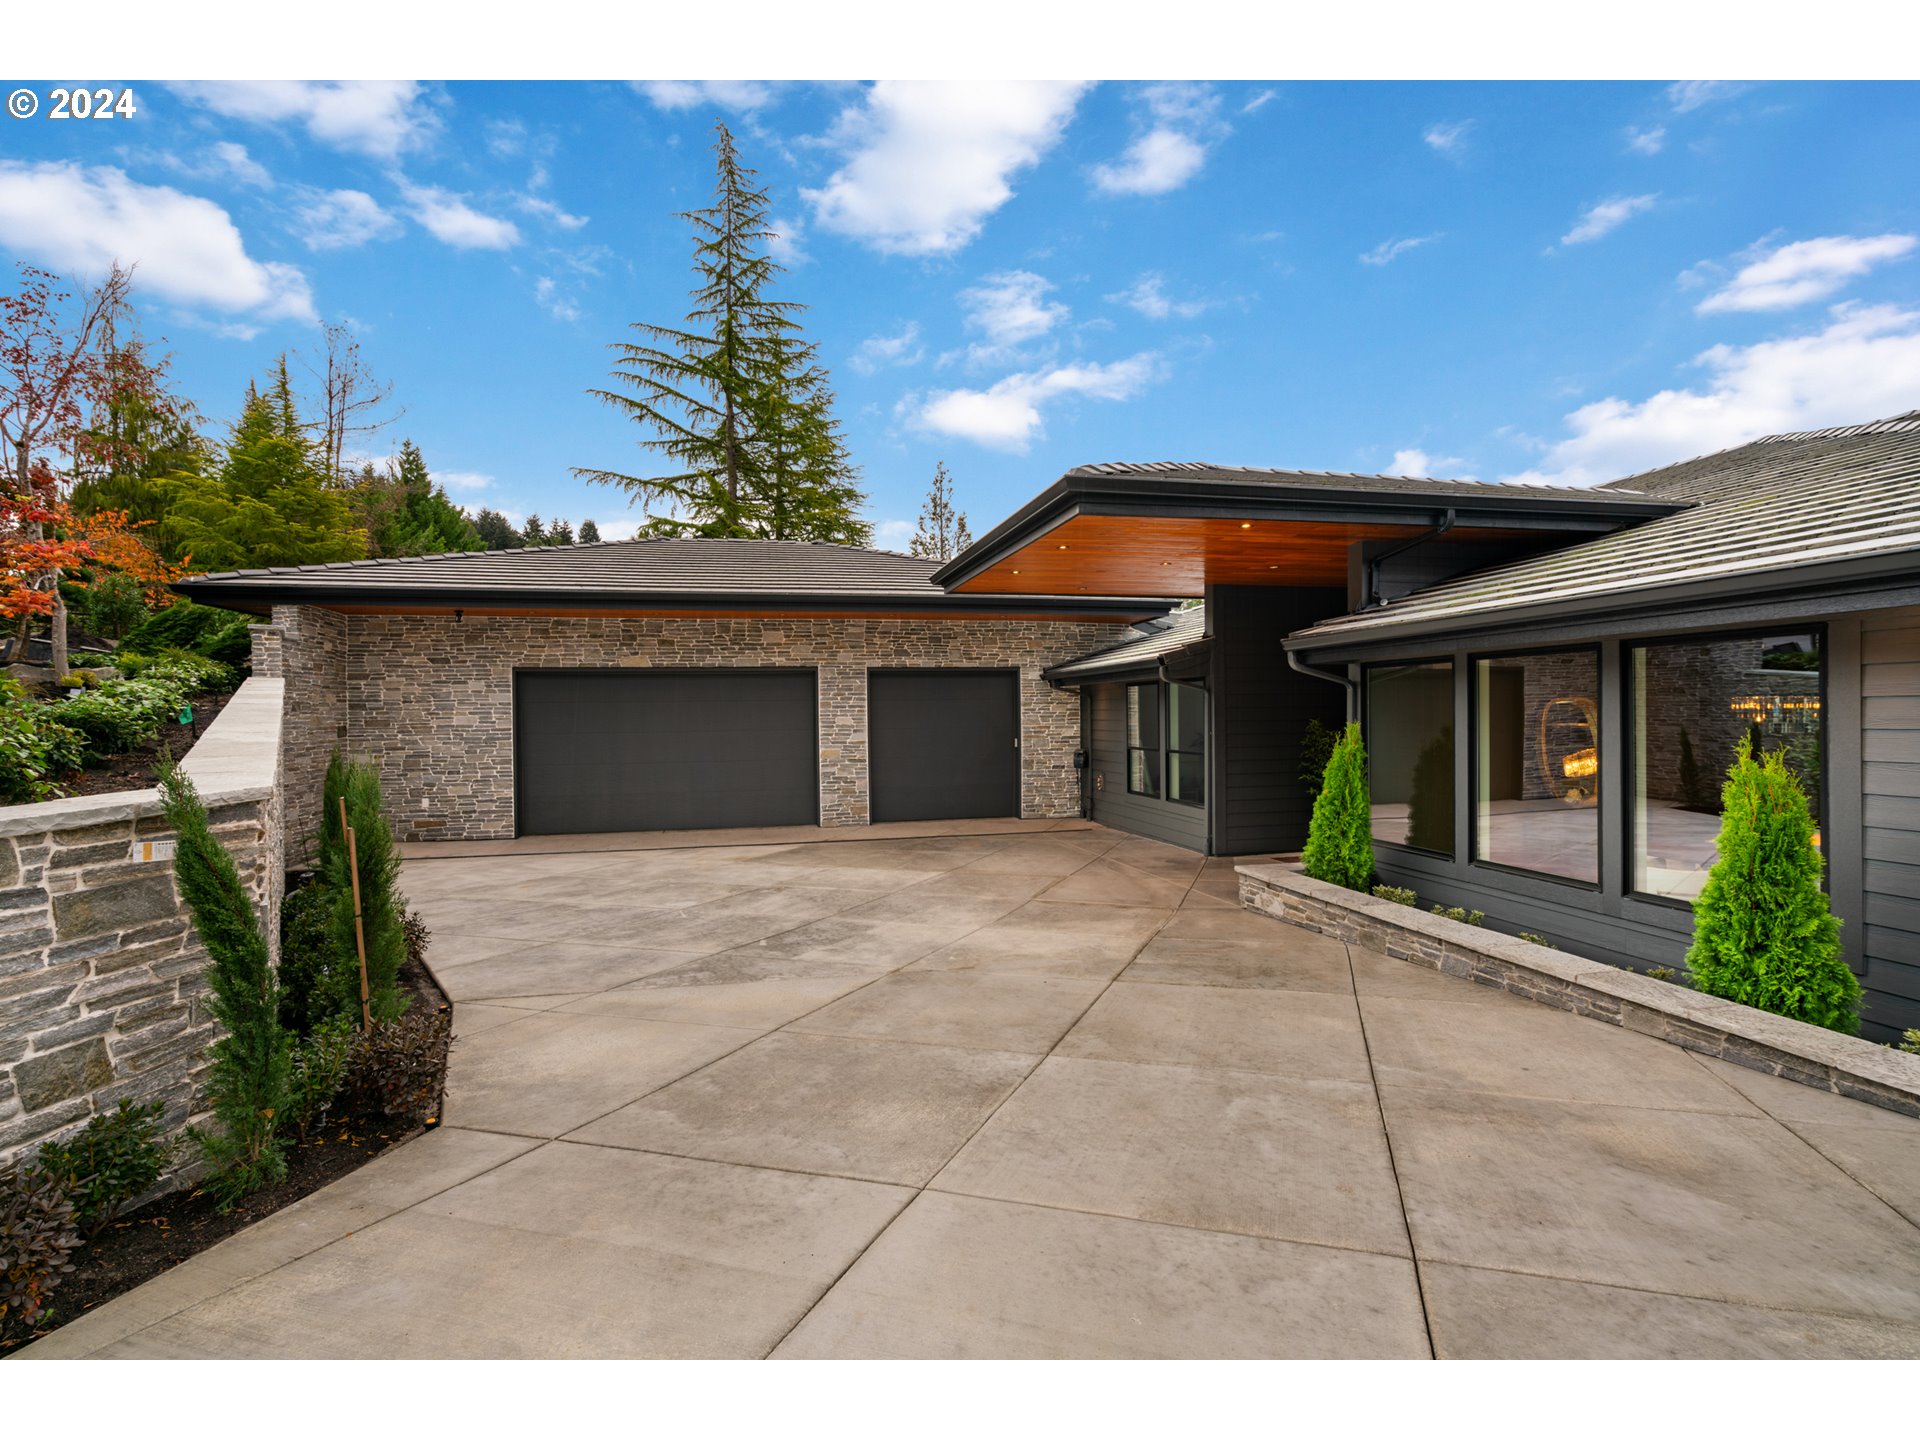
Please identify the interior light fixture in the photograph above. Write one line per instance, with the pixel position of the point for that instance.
(1246, 524)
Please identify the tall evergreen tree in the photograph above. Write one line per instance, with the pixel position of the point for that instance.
(589, 533)
(736, 401)
(942, 532)
(535, 532)
(267, 504)
(496, 532)
(560, 533)
(405, 513)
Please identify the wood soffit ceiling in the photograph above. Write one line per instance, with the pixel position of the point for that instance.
(1133, 555)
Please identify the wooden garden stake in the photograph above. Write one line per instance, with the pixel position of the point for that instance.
(359, 932)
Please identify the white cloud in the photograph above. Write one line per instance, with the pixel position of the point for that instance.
(449, 219)
(1449, 137)
(240, 165)
(550, 212)
(720, 94)
(1421, 465)
(886, 352)
(1148, 295)
(1259, 102)
(787, 244)
(1685, 95)
(1388, 251)
(1805, 271)
(1007, 415)
(341, 219)
(894, 534)
(1011, 308)
(381, 118)
(1864, 364)
(463, 479)
(927, 161)
(547, 291)
(1183, 121)
(81, 219)
(1649, 141)
(1605, 217)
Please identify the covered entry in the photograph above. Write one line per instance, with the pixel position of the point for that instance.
(599, 750)
(943, 744)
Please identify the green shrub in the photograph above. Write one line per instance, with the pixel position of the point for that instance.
(1316, 748)
(317, 981)
(382, 906)
(1762, 932)
(319, 1069)
(117, 1158)
(417, 935)
(1460, 913)
(81, 679)
(120, 715)
(111, 605)
(1910, 1042)
(37, 750)
(1340, 835)
(1533, 939)
(397, 1068)
(187, 672)
(203, 629)
(1666, 973)
(37, 1234)
(247, 1084)
(1398, 894)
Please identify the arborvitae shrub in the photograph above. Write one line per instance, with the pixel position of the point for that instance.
(1340, 836)
(1762, 931)
(382, 907)
(247, 1084)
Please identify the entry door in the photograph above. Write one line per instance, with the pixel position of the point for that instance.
(600, 750)
(943, 744)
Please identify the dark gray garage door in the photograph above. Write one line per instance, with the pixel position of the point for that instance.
(943, 744)
(664, 750)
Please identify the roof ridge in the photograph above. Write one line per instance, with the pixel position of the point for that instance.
(1887, 425)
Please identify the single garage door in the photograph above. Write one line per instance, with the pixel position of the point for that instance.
(943, 744)
(604, 750)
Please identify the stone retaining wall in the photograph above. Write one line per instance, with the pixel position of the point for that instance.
(103, 991)
(1792, 1049)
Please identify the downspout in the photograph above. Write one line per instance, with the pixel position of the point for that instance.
(1372, 596)
(1345, 682)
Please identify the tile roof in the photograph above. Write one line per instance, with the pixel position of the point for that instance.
(1147, 643)
(1408, 485)
(1776, 510)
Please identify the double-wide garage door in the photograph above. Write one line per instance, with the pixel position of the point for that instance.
(601, 750)
(607, 750)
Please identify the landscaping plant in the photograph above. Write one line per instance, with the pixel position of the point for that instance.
(247, 1084)
(382, 907)
(1762, 932)
(1340, 835)
(318, 981)
(37, 1234)
(1398, 894)
(396, 1068)
(320, 1064)
(118, 1157)
(1316, 748)
(1460, 913)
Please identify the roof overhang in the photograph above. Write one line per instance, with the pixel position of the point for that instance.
(258, 594)
(1174, 534)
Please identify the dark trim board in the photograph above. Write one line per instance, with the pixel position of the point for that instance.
(617, 749)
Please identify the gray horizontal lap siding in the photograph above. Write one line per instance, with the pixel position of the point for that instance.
(1182, 825)
(1890, 836)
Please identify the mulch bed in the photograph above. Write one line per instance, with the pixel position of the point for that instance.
(176, 1227)
(135, 769)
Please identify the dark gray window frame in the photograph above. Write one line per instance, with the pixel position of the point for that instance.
(1630, 745)
(1366, 734)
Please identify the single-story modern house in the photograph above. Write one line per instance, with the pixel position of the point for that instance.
(1551, 679)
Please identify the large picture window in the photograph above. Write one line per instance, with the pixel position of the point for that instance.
(1693, 701)
(1410, 754)
(1537, 763)
(1187, 744)
(1143, 740)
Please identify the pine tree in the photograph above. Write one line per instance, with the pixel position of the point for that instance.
(267, 504)
(534, 532)
(1340, 835)
(247, 1084)
(1762, 931)
(405, 513)
(496, 532)
(942, 533)
(560, 533)
(589, 533)
(735, 401)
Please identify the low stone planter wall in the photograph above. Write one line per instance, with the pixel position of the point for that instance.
(1793, 1049)
(102, 979)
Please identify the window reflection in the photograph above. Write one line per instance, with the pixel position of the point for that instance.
(1537, 771)
(1410, 754)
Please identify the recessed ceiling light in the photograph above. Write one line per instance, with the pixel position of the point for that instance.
(1016, 572)
(1246, 524)
(1063, 547)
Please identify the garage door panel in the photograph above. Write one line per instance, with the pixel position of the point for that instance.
(943, 744)
(662, 750)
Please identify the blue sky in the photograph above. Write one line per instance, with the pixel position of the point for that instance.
(1569, 281)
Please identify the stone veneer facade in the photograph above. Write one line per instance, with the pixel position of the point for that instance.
(429, 699)
(103, 990)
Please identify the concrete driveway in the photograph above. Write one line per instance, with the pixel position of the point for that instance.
(1041, 1093)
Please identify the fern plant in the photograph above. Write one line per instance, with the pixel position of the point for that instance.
(1340, 835)
(1762, 932)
